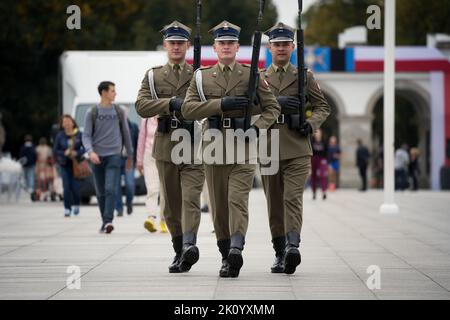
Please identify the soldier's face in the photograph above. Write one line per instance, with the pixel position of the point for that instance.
(176, 50)
(226, 49)
(281, 51)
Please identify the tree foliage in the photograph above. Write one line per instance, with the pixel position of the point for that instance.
(34, 34)
(415, 19)
(327, 18)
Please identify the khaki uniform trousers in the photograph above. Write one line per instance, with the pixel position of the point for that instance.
(229, 187)
(181, 186)
(284, 194)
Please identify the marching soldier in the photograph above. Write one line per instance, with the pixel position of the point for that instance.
(162, 92)
(284, 190)
(219, 93)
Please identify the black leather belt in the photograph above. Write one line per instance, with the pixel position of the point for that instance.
(281, 119)
(292, 120)
(167, 123)
(227, 123)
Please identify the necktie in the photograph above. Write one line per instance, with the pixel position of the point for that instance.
(176, 69)
(226, 73)
(280, 74)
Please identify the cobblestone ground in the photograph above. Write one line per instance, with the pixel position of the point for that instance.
(346, 244)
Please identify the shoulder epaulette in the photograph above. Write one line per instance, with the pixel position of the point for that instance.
(246, 65)
(205, 67)
(157, 67)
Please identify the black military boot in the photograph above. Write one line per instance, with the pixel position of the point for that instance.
(224, 247)
(235, 255)
(177, 243)
(278, 245)
(292, 256)
(190, 253)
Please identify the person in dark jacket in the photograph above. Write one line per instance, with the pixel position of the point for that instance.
(413, 167)
(27, 158)
(67, 146)
(362, 161)
(128, 174)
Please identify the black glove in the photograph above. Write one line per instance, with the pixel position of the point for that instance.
(175, 104)
(305, 129)
(288, 103)
(234, 103)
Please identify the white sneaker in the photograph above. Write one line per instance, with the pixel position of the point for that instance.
(66, 213)
(75, 210)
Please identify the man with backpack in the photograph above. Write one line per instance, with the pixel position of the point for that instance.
(105, 134)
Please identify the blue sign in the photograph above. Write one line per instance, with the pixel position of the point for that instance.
(316, 58)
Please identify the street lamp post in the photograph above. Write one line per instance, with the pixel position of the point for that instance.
(389, 206)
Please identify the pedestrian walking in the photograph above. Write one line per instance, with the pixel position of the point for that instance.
(414, 169)
(68, 147)
(378, 162)
(319, 164)
(362, 162)
(27, 157)
(401, 165)
(127, 174)
(334, 159)
(146, 165)
(105, 135)
(44, 170)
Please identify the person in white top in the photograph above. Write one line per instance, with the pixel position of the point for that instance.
(401, 168)
(146, 165)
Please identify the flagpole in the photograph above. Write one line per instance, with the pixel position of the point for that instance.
(389, 206)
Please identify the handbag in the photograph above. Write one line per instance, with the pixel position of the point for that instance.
(81, 168)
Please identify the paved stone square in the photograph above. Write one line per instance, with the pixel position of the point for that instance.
(342, 237)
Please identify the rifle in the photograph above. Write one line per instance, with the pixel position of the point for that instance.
(254, 74)
(298, 119)
(197, 44)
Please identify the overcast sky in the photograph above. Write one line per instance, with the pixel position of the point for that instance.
(288, 10)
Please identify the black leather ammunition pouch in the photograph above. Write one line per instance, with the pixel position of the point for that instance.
(227, 123)
(292, 120)
(214, 122)
(164, 124)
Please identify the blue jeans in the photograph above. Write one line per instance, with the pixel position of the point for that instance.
(401, 179)
(29, 177)
(71, 187)
(106, 175)
(129, 186)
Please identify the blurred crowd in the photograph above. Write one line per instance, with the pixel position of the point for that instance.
(46, 177)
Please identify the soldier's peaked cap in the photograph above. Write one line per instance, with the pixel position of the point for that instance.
(226, 31)
(176, 31)
(280, 32)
